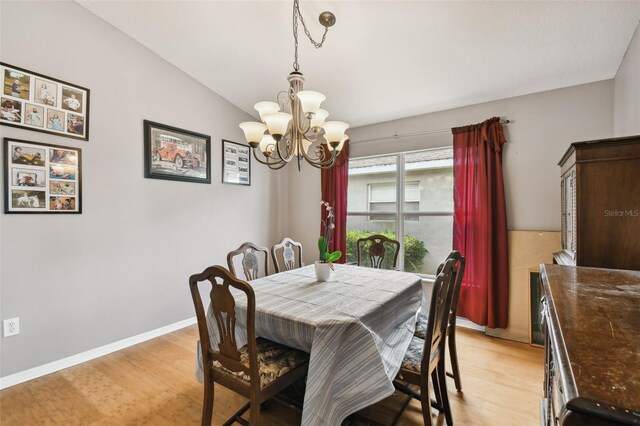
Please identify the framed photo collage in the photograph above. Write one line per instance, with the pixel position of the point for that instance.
(37, 102)
(41, 178)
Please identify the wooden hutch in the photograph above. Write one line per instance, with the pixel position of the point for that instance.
(600, 190)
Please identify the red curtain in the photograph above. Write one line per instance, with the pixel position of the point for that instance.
(334, 191)
(480, 222)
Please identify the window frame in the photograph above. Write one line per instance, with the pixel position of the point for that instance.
(400, 215)
(370, 201)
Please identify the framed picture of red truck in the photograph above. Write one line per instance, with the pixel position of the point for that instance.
(176, 154)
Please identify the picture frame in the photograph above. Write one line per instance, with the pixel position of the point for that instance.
(236, 163)
(37, 102)
(41, 178)
(171, 153)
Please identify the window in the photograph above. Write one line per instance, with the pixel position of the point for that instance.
(382, 198)
(408, 194)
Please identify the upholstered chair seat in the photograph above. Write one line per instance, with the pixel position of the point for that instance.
(413, 357)
(274, 360)
(421, 325)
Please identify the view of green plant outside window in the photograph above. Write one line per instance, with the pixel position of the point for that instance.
(422, 210)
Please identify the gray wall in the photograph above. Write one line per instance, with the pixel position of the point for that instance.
(544, 124)
(303, 213)
(626, 110)
(121, 267)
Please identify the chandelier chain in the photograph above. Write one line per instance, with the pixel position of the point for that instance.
(297, 14)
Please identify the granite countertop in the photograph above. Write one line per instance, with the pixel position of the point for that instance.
(598, 312)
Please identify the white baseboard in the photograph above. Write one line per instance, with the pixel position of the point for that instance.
(463, 322)
(427, 285)
(61, 364)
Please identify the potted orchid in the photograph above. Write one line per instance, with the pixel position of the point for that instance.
(324, 266)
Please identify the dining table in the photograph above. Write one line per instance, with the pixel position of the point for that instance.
(356, 327)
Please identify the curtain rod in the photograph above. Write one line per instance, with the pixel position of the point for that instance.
(424, 132)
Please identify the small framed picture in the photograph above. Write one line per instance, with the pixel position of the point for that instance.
(34, 115)
(36, 102)
(236, 163)
(41, 178)
(176, 154)
(46, 92)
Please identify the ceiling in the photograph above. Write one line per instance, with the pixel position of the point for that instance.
(384, 59)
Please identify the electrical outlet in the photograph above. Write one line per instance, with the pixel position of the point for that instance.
(11, 327)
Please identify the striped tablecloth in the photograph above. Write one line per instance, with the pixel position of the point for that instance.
(356, 326)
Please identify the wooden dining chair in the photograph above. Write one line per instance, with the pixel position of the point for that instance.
(377, 250)
(424, 357)
(258, 370)
(250, 262)
(421, 324)
(288, 247)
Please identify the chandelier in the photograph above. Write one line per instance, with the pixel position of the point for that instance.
(294, 127)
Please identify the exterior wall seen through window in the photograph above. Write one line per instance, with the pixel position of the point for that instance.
(426, 216)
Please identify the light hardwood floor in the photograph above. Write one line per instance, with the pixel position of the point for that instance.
(153, 384)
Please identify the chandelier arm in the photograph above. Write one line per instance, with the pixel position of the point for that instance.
(267, 163)
(334, 156)
(301, 129)
(278, 167)
(318, 160)
(288, 153)
(287, 134)
(275, 149)
(322, 165)
(313, 138)
(306, 125)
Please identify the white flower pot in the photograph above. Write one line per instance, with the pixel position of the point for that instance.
(323, 271)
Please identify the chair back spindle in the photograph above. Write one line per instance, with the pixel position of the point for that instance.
(252, 267)
(288, 247)
(377, 250)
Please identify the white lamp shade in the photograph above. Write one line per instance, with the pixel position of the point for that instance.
(277, 122)
(268, 143)
(310, 100)
(334, 130)
(339, 147)
(318, 119)
(266, 107)
(253, 130)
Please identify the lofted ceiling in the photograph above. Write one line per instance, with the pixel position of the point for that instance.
(384, 59)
